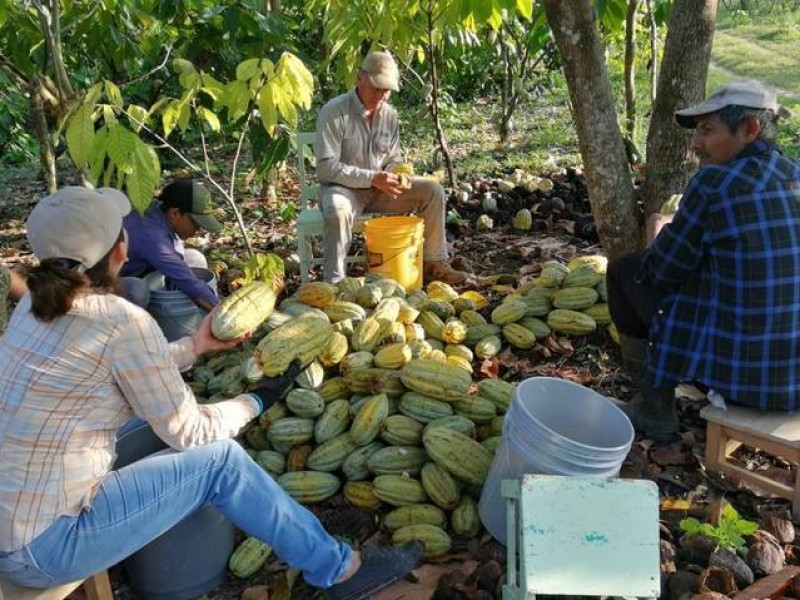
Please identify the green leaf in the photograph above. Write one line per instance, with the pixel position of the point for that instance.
(747, 527)
(211, 86)
(169, 118)
(113, 93)
(136, 115)
(268, 109)
(98, 157)
(690, 525)
(247, 69)
(109, 116)
(267, 67)
(93, 94)
(121, 147)
(181, 65)
(80, 136)
(237, 99)
(525, 8)
(209, 117)
(140, 187)
(184, 116)
(299, 78)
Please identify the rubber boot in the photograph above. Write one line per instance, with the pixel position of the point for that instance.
(652, 411)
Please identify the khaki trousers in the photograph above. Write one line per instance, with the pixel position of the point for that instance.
(341, 206)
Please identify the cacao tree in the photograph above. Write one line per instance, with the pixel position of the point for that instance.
(103, 133)
(681, 82)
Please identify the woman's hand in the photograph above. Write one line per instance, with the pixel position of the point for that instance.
(204, 340)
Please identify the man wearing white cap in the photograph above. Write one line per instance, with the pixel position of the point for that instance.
(357, 147)
(715, 299)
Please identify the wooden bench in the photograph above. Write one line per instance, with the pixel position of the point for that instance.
(96, 587)
(773, 432)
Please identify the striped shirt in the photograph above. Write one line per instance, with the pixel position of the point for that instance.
(731, 257)
(65, 389)
(348, 148)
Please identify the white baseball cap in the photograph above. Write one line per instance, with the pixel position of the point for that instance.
(748, 93)
(77, 223)
(381, 70)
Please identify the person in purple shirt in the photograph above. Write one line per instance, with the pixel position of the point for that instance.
(156, 243)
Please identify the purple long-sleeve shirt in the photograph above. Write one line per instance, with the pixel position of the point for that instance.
(154, 246)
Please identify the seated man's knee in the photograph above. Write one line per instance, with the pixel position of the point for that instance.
(337, 209)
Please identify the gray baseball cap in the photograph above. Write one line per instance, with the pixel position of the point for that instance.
(745, 92)
(77, 223)
(381, 70)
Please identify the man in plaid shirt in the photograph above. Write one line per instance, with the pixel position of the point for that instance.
(715, 299)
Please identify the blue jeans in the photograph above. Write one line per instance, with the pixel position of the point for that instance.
(137, 503)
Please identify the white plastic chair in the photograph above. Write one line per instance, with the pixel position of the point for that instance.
(582, 536)
(310, 223)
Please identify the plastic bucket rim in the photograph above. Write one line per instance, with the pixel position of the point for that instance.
(565, 444)
(567, 383)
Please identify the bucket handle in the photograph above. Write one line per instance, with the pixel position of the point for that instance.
(391, 258)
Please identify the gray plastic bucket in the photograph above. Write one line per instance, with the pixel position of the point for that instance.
(190, 559)
(175, 312)
(554, 427)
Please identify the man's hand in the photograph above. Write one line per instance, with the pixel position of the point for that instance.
(204, 340)
(390, 184)
(655, 223)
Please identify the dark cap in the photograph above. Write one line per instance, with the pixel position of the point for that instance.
(193, 198)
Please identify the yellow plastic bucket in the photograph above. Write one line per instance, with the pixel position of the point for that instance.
(394, 248)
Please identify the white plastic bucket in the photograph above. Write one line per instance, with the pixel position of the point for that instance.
(554, 427)
(175, 312)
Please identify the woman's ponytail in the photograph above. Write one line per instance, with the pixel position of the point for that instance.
(53, 285)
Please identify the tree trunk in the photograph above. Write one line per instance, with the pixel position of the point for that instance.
(47, 157)
(600, 140)
(630, 70)
(434, 80)
(684, 68)
(651, 16)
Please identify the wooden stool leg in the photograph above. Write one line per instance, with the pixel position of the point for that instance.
(715, 446)
(98, 587)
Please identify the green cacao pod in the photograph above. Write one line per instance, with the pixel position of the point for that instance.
(397, 460)
(249, 557)
(435, 539)
(575, 298)
(440, 485)
(599, 312)
(302, 338)
(308, 487)
(488, 347)
(458, 422)
(465, 519)
(519, 336)
(329, 455)
(435, 379)
(571, 322)
(509, 312)
(399, 490)
(462, 456)
(401, 430)
(355, 466)
(497, 391)
(424, 408)
(369, 419)
(414, 514)
(305, 403)
(291, 430)
(272, 462)
(361, 494)
(243, 311)
(333, 421)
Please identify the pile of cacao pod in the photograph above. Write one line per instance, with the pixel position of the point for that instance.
(386, 410)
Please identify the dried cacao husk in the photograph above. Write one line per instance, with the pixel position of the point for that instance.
(717, 579)
(742, 574)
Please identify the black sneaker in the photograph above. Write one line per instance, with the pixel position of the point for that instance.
(380, 567)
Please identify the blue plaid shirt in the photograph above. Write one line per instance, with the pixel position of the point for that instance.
(731, 260)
